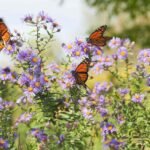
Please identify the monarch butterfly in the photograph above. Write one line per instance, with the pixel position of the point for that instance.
(81, 72)
(97, 38)
(4, 34)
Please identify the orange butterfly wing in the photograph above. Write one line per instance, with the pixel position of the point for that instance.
(4, 35)
(98, 33)
(81, 72)
(97, 38)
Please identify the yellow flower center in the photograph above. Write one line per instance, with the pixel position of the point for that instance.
(137, 96)
(123, 53)
(46, 79)
(30, 89)
(9, 47)
(99, 52)
(69, 46)
(85, 49)
(88, 113)
(34, 59)
(37, 84)
(30, 77)
(4, 75)
(77, 53)
(107, 59)
(110, 128)
(145, 54)
(2, 142)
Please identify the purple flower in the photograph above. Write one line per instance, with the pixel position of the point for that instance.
(101, 100)
(8, 104)
(114, 144)
(115, 57)
(120, 119)
(9, 49)
(122, 53)
(80, 48)
(148, 81)
(42, 16)
(144, 56)
(102, 111)
(101, 87)
(3, 144)
(87, 113)
(14, 76)
(104, 62)
(24, 100)
(5, 73)
(39, 134)
(53, 68)
(36, 85)
(107, 128)
(138, 98)
(115, 42)
(24, 55)
(28, 18)
(44, 80)
(83, 102)
(128, 44)
(29, 91)
(123, 92)
(34, 60)
(61, 139)
(67, 80)
(24, 118)
(25, 79)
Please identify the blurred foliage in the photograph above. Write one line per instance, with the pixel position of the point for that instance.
(133, 7)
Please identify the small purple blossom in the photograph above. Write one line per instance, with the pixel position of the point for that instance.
(42, 16)
(24, 55)
(24, 100)
(144, 56)
(103, 63)
(107, 128)
(36, 86)
(3, 144)
(9, 49)
(28, 18)
(61, 139)
(83, 102)
(87, 113)
(148, 81)
(102, 111)
(138, 98)
(5, 73)
(39, 134)
(102, 87)
(53, 68)
(114, 144)
(115, 42)
(128, 44)
(34, 60)
(67, 80)
(123, 92)
(24, 118)
(122, 53)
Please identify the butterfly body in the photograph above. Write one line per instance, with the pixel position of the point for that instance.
(4, 34)
(97, 37)
(81, 72)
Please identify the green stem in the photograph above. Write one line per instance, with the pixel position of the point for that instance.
(127, 69)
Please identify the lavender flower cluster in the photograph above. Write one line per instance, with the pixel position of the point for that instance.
(113, 109)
